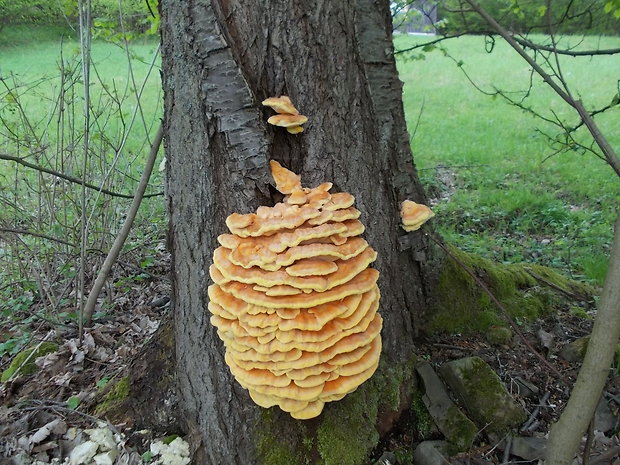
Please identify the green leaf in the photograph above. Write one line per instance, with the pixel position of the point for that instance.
(102, 382)
(168, 439)
(608, 7)
(542, 10)
(73, 402)
(147, 456)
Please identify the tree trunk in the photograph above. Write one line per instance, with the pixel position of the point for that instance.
(221, 58)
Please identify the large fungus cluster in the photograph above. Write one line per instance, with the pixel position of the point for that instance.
(294, 299)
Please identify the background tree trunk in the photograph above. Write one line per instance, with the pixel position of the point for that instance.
(221, 58)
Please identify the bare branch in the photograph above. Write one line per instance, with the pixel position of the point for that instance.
(431, 42)
(610, 155)
(35, 234)
(102, 276)
(21, 161)
(573, 53)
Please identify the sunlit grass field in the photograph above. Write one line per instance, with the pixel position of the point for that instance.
(500, 190)
(31, 59)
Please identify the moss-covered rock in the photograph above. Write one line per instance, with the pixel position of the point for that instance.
(498, 335)
(458, 430)
(461, 306)
(483, 395)
(575, 351)
(24, 362)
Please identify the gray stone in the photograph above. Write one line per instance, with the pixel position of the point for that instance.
(576, 350)
(431, 453)
(483, 395)
(604, 419)
(451, 421)
(545, 339)
(528, 448)
(525, 388)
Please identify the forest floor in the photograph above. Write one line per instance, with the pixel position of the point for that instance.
(544, 397)
(52, 412)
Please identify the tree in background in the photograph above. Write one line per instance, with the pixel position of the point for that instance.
(138, 15)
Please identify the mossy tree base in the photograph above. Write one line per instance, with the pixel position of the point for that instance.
(527, 292)
(146, 396)
(347, 430)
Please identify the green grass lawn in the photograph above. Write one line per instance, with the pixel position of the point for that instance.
(31, 55)
(499, 194)
(41, 93)
(510, 200)
(32, 60)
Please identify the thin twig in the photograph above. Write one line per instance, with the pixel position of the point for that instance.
(451, 346)
(605, 456)
(506, 456)
(588, 445)
(430, 42)
(84, 8)
(441, 167)
(73, 179)
(535, 412)
(573, 53)
(570, 294)
(35, 234)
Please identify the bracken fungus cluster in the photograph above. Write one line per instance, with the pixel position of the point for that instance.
(295, 300)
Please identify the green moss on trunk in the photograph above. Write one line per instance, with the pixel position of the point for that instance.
(344, 434)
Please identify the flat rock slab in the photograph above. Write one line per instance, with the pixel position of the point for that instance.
(431, 453)
(527, 448)
(459, 430)
(483, 395)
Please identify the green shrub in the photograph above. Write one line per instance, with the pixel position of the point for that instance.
(564, 16)
(138, 16)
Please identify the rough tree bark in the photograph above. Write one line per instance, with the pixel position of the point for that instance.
(221, 58)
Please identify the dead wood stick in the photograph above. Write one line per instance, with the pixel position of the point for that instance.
(124, 232)
(535, 412)
(610, 454)
(572, 295)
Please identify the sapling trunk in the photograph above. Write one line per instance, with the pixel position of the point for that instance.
(566, 434)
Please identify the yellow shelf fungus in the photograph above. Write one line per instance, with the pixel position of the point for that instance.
(294, 299)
